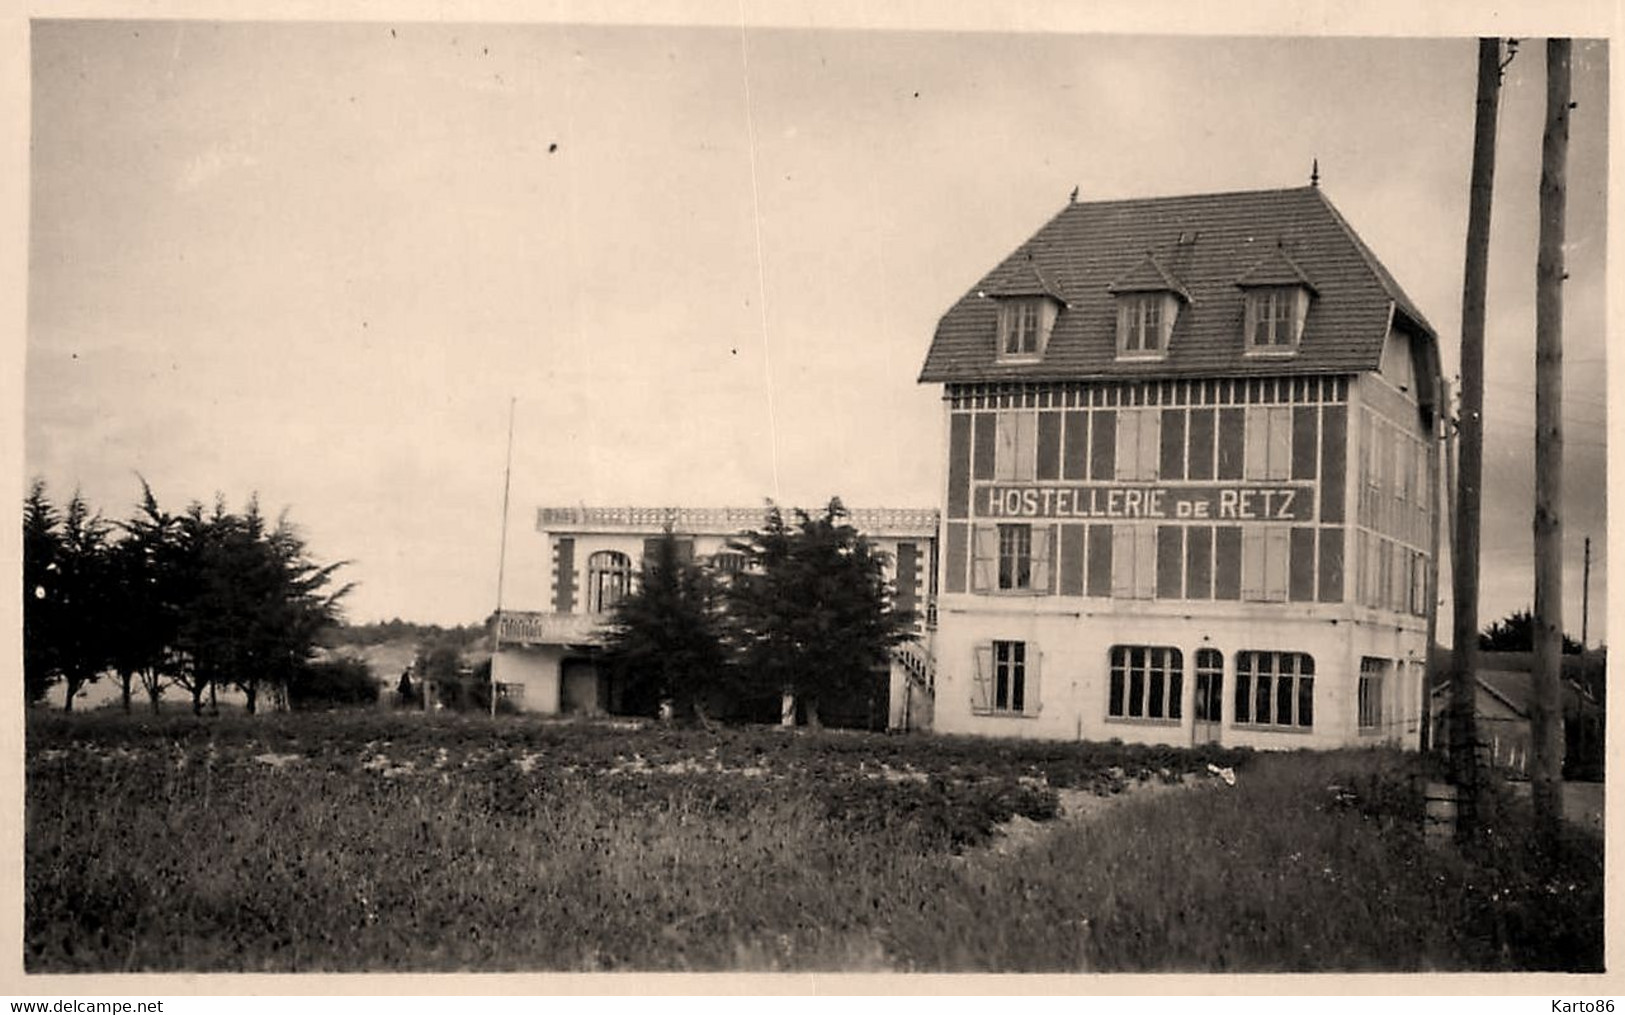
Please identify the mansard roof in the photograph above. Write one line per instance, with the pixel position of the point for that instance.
(1213, 246)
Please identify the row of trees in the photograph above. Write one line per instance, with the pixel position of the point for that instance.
(810, 617)
(201, 599)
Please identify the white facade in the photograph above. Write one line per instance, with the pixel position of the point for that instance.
(545, 661)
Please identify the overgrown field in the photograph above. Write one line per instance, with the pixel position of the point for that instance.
(410, 843)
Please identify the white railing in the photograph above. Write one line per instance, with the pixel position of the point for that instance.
(921, 522)
(913, 657)
(518, 627)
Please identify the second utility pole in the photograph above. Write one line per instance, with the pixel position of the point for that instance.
(1546, 717)
(1464, 762)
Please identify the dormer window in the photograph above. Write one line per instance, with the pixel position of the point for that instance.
(1275, 318)
(1144, 323)
(1019, 325)
(1025, 323)
(1277, 293)
(1148, 299)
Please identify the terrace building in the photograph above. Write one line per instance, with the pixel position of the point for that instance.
(548, 661)
(1190, 481)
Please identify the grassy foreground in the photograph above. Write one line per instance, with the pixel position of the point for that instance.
(374, 842)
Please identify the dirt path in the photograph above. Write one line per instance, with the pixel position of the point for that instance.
(1078, 806)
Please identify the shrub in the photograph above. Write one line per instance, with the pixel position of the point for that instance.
(341, 680)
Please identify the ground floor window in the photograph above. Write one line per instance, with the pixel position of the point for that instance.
(1147, 682)
(1372, 674)
(1006, 673)
(1275, 689)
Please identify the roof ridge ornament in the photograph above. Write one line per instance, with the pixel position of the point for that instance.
(1314, 173)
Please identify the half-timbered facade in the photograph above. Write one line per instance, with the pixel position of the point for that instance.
(1190, 481)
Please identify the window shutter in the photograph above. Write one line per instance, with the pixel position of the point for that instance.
(1128, 444)
(1374, 589)
(1280, 462)
(1279, 557)
(982, 686)
(1043, 558)
(1255, 464)
(1150, 450)
(1004, 458)
(1026, 446)
(1031, 702)
(984, 557)
(1122, 562)
(1253, 550)
(1145, 561)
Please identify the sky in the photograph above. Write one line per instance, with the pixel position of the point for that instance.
(700, 264)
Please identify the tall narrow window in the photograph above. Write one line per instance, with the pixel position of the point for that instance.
(1275, 319)
(609, 577)
(1009, 675)
(1021, 334)
(1015, 557)
(1209, 684)
(1144, 321)
(1370, 692)
(1024, 326)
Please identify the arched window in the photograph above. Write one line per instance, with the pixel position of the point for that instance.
(609, 576)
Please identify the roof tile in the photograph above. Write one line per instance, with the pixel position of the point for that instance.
(1207, 243)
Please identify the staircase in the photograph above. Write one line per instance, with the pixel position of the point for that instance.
(921, 668)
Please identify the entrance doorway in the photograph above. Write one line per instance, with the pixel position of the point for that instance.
(580, 686)
(1209, 710)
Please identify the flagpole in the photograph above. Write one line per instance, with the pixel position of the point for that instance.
(502, 557)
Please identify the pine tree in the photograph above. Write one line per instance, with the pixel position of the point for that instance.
(665, 643)
(81, 632)
(812, 612)
(42, 550)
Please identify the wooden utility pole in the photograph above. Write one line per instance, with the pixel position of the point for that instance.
(1464, 764)
(502, 560)
(1546, 715)
(1585, 601)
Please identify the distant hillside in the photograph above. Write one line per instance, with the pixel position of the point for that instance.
(396, 631)
(388, 648)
